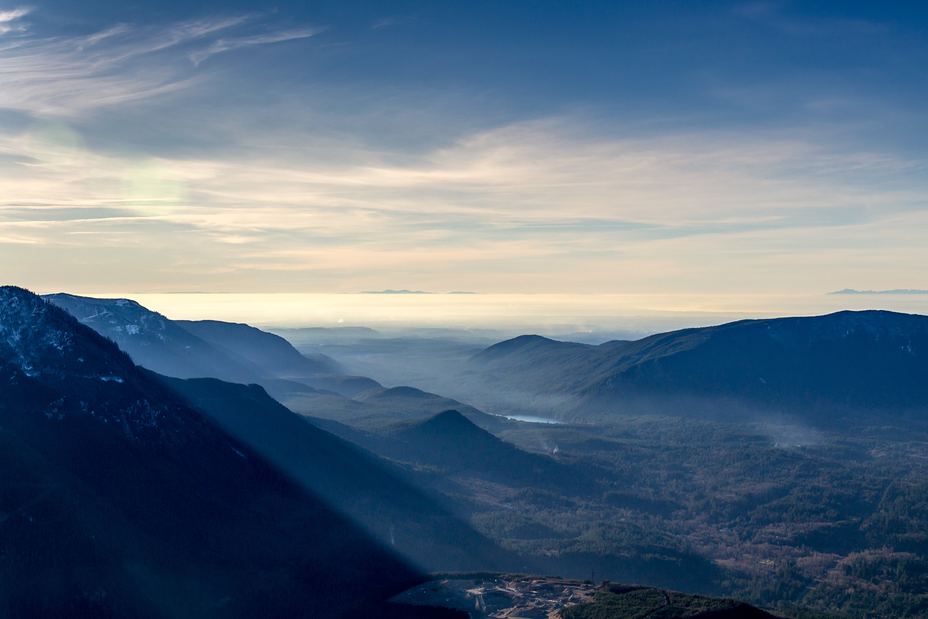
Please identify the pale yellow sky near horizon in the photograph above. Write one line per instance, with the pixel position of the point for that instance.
(548, 313)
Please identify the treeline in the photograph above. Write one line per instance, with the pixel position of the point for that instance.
(835, 524)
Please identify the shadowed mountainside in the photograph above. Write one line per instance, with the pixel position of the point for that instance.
(377, 410)
(455, 444)
(847, 363)
(266, 350)
(118, 499)
(372, 492)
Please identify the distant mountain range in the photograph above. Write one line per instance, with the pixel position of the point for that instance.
(117, 498)
(392, 291)
(404, 291)
(852, 291)
(310, 384)
(821, 368)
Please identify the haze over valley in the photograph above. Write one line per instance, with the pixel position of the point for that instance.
(804, 481)
(406, 309)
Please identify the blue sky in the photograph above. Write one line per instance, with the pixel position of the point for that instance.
(569, 147)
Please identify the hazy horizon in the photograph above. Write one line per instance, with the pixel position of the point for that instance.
(551, 314)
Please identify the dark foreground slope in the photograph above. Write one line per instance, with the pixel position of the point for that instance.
(117, 499)
(823, 368)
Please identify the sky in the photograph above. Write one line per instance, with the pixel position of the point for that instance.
(574, 148)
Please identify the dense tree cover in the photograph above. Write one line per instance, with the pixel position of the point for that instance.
(622, 602)
(784, 517)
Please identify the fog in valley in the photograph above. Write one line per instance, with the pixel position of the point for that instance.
(609, 309)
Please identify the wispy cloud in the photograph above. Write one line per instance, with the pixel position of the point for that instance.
(13, 14)
(550, 199)
(228, 44)
(774, 14)
(8, 17)
(68, 76)
(386, 22)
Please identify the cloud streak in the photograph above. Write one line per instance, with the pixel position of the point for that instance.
(67, 76)
(229, 44)
(8, 17)
(549, 199)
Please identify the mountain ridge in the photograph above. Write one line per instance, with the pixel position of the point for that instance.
(235, 352)
(849, 361)
(120, 500)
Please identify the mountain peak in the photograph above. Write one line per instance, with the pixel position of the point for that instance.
(120, 302)
(40, 339)
(193, 349)
(520, 344)
(67, 371)
(530, 338)
(406, 392)
(449, 425)
(448, 419)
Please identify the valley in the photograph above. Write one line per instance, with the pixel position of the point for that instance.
(783, 510)
(430, 309)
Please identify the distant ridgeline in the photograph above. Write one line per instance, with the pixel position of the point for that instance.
(893, 291)
(824, 368)
(195, 349)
